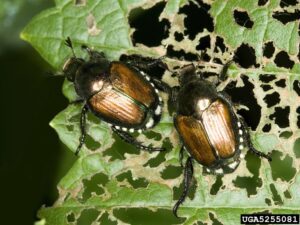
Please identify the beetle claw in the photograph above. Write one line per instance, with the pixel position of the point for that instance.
(159, 149)
(175, 208)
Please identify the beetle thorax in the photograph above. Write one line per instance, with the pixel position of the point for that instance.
(90, 79)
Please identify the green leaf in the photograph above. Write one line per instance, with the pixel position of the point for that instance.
(265, 27)
(115, 183)
(48, 30)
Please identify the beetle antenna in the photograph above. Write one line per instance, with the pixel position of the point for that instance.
(223, 74)
(51, 74)
(68, 43)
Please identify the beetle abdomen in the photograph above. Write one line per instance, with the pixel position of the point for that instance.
(115, 107)
(132, 84)
(217, 123)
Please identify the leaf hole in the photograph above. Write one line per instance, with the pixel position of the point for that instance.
(70, 128)
(267, 127)
(262, 212)
(282, 168)
(204, 43)
(91, 144)
(266, 87)
(80, 2)
(74, 118)
(286, 3)
(282, 59)
(180, 54)
(249, 183)
(214, 219)
(88, 216)
(217, 60)
(177, 191)
(286, 134)
(153, 135)
(280, 83)
(287, 194)
(201, 223)
(296, 87)
(220, 45)
(242, 18)
(94, 185)
(178, 36)
(253, 163)
(268, 49)
(262, 2)
(272, 99)
(138, 216)
(71, 217)
(268, 201)
(275, 196)
(245, 56)
(299, 44)
(119, 148)
(197, 13)
(216, 186)
(105, 220)
(296, 148)
(171, 172)
(251, 116)
(138, 183)
(267, 78)
(281, 116)
(286, 17)
(161, 157)
(148, 29)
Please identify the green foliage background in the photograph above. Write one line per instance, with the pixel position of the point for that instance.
(114, 183)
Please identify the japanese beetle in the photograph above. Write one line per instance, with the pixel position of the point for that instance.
(119, 93)
(208, 126)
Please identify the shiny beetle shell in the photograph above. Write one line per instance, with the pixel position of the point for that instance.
(125, 98)
(207, 125)
(118, 92)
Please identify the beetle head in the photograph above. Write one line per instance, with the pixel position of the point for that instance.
(187, 73)
(71, 66)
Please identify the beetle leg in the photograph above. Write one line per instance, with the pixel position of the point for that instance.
(247, 138)
(82, 128)
(223, 75)
(181, 155)
(188, 175)
(171, 91)
(131, 140)
(94, 55)
(77, 101)
(143, 63)
(162, 85)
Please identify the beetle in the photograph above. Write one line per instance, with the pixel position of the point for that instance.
(208, 126)
(119, 93)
